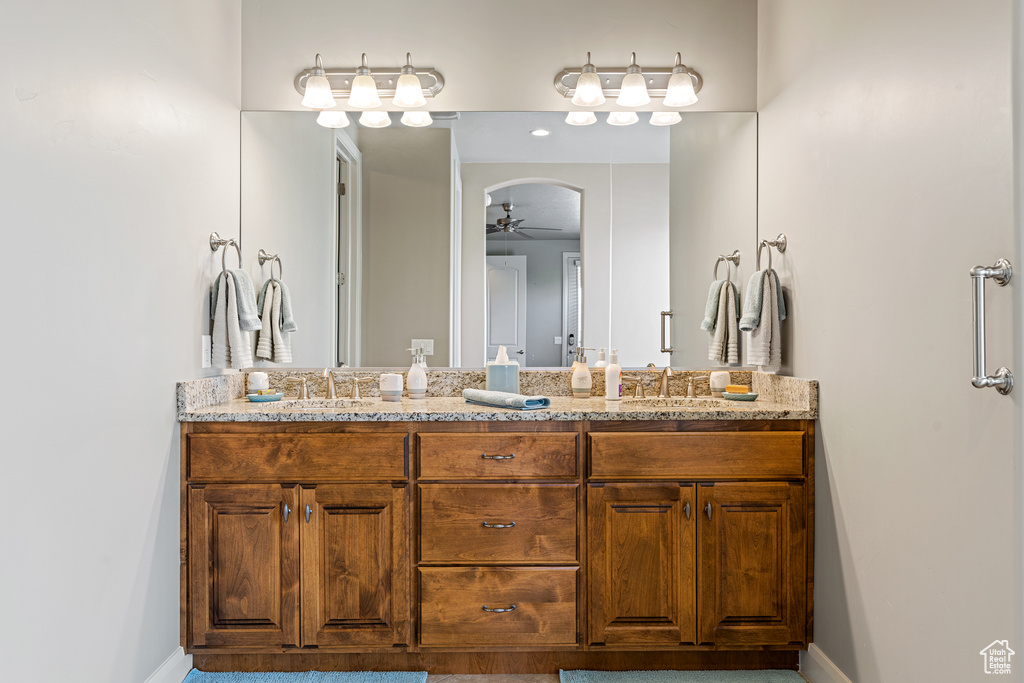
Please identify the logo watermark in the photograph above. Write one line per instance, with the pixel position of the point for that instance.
(997, 657)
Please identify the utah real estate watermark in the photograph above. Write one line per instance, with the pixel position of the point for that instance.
(997, 657)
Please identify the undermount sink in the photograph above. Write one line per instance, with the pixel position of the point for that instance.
(677, 402)
(319, 403)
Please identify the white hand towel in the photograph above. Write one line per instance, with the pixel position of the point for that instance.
(282, 342)
(765, 349)
(221, 352)
(724, 346)
(732, 342)
(230, 342)
(265, 344)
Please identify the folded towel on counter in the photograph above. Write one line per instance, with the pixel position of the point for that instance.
(230, 341)
(274, 344)
(287, 322)
(711, 308)
(765, 347)
(245, 298)
(753, 303)
(724, 344)
(504, 399)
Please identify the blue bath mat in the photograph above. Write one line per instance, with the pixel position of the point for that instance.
(767, 676)
(306, 677)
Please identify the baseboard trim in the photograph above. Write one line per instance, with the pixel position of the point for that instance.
(818, 668)
(174, 669)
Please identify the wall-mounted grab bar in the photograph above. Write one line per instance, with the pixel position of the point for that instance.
(664, 315)
(1001, 272)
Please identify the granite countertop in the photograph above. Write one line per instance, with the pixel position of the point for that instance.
(220, 400)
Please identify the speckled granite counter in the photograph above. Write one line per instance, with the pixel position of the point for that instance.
(220, 399)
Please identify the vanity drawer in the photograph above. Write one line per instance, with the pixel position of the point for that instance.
(498, 456)
(719, 455)
(452, 518)
(453, 599)
(296, 457)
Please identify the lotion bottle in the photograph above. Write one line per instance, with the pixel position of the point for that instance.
(601, 362)
(581, 381)
(416, 381)
(613, 378)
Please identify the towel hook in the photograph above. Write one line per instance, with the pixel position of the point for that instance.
(263, 257)
(734, 257)
(779, 243)
(216, 242)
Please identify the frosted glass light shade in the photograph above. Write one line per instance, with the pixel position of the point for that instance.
(333, 119)
(622, 118)
(665, 118)
(417, 119)
(408, 93)
(588, 90)
(318, 93)
(364, 93)
(680, 91)
(375, 119)
(633, 92)
(580, 118)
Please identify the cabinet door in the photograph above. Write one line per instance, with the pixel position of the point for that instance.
(355, 566)
(642, 564)
(753, 564)
(244, 565)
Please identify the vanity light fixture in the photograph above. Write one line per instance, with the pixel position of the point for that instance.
(580, 118)
(633, 92)
(665, 118)
(408, 92)
(622, 118)
(333, 119)
(318, 94)
(364, 89)
(375, 119)
(588, 87)
(680, 86)
(540, 133)
(417, 119)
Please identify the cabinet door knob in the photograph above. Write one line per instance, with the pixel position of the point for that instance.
(489, 525)
(499, 609)
(707, 509)
(497, 457)
(287, 511)
(686, 510)
(308, 511)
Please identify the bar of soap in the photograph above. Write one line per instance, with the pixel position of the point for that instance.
(737, 389)
(265, 392)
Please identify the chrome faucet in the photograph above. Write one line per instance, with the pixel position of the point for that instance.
(331, 391)
(665, 374)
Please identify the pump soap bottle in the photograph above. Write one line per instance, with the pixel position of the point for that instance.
(613, 378)
(416, 381)
(601, 362)
(581, 381)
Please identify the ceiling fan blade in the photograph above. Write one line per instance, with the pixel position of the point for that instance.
(493, 228)
(523, 234)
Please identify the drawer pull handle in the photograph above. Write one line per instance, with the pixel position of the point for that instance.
(499, 526)
(287, 511)
(499, 609)
(308, 511)
(707, 509)
(686, 510)
(497, 457)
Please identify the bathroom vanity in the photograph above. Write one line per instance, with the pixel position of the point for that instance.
(453, 538)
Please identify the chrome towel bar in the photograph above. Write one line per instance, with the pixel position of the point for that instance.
(1001, 272)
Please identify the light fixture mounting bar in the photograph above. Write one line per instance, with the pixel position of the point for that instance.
(386, 79)
(611, 80)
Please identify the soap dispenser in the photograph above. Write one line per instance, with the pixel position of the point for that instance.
(581, 381)
(416, 382)
(613, 378)
(601, 362)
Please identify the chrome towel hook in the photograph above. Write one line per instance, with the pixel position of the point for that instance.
(216, 242)
(1001, 272)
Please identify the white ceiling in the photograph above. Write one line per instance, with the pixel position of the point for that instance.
(540, 206)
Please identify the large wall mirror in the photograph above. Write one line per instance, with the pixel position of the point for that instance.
(479, 230)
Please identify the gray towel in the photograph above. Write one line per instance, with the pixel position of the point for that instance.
(711, 307)
(724, 344)
(273, 344)
(230, 342)
(503, 399)
(753, 303)
(765, 348)
(287, 322)
(245, 298)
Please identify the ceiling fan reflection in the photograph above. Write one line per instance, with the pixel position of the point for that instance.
(511, 225)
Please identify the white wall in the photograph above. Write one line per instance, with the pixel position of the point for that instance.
(713, 207)
(289, 208)
(885, 155)
(543, 294)
(514, 49)
(120, 156)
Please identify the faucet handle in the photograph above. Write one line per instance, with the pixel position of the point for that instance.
(355, 385)
(638, 387)
(303, 387)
